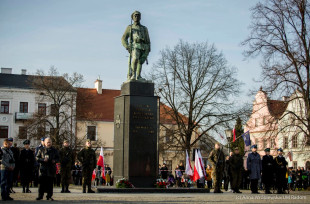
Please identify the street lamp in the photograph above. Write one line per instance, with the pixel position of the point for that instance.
(228, 133)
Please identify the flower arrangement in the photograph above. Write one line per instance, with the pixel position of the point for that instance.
(123, 183)
(160, 183)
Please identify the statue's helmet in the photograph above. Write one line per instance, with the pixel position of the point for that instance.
(135, 12)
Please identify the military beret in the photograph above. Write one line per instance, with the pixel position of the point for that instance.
(10, 139)
(135, 12)
(66, 141)
(236, 148)
(254, 146)
(280, 150)
(43, 138)
(267, 150)
(88, 140)
(26, 142)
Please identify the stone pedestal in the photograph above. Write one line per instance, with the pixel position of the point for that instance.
(136, 121)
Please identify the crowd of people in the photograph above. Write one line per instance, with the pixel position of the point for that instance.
(46, 166)
(267, 173)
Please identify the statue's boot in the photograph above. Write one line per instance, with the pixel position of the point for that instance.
(139, 69)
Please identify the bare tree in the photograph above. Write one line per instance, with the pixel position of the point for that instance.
(197, 85)
(280, 34)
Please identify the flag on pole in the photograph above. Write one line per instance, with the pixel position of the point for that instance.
(246, 138)
(188, 169)
(234, 135)
(197, 168)
(100, 162)
(94, 175)
(201, 163)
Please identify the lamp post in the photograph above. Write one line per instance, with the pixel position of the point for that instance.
(228, 133)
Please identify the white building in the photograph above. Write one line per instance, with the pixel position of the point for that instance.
(19, 101)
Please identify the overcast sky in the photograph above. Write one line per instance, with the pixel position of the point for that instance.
(85, 36)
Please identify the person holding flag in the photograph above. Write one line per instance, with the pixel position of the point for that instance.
(217, 159)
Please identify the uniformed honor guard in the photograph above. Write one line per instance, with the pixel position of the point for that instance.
(217, 159)
(66, 163)
(267, 172)
(27, 163)
(280, 168)
(87, 157)
(254, 166)
(236, 168)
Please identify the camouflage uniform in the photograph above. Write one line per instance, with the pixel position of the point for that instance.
(66, 163)
(236, 168)
(87, 157)
(217, 159)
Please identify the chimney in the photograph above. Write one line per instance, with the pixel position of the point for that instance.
(6, 70)
(24, 71)
(98, 86)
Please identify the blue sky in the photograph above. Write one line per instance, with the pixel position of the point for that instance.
(85, 36)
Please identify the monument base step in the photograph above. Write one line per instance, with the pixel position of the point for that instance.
(152, 190)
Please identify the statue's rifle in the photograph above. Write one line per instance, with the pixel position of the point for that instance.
(130, 50)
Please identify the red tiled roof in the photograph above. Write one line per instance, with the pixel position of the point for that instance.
(276, 108)
(166, 115)
(94, 106)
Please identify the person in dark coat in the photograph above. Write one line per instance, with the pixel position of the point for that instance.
(254, 166)
(36, 172)
(236, 168)
(280, 165)
(76, 173)
(267, 170)
(47, 157)
(14, 174)
(27, 163)
(66, 163)
(217, 159)
(164, 171)
(227, 174)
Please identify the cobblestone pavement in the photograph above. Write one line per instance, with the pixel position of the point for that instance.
(76, 196)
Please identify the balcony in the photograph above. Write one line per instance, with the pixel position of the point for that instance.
(22, 116)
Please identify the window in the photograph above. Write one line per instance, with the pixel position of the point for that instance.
(5, 107)
(54, 110)
(169, 135)
(42, 109)
(285, 143)
(22, 134)
(23, 107)
(294, 142)
(256, 122)
(4, 131)
(272, 143)
(264, 143)
(295, 164)
(40, 132)
(91, 133)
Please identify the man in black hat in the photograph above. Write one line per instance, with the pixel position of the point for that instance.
(27, 162)
(236, 168)
(254, 166)
(280, 168)
(267, 170)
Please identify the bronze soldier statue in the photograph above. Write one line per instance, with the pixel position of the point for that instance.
(267, 170)
(87, 157)
(139, 46)
(236, 168)
(280, 167)
(66, 163)
(217, 159)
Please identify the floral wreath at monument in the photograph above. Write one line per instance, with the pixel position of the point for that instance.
(161, 183)
(124, 183)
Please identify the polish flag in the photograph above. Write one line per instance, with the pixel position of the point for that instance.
(101, 162)
(234, 132)
(198, 173)
(201, 163)
(94, 175)
(188, 170)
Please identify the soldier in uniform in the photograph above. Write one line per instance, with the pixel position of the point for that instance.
(217, 159)
(66, 162)
(267, 170)
(27, 163)
(280, 168)
(236, 168)
(254, 166)
(87, 157)
(139, 46)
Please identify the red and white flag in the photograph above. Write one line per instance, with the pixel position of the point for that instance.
(188, 169)
(94, 175)
(197, 168)
(100, 162)
(201, 163)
